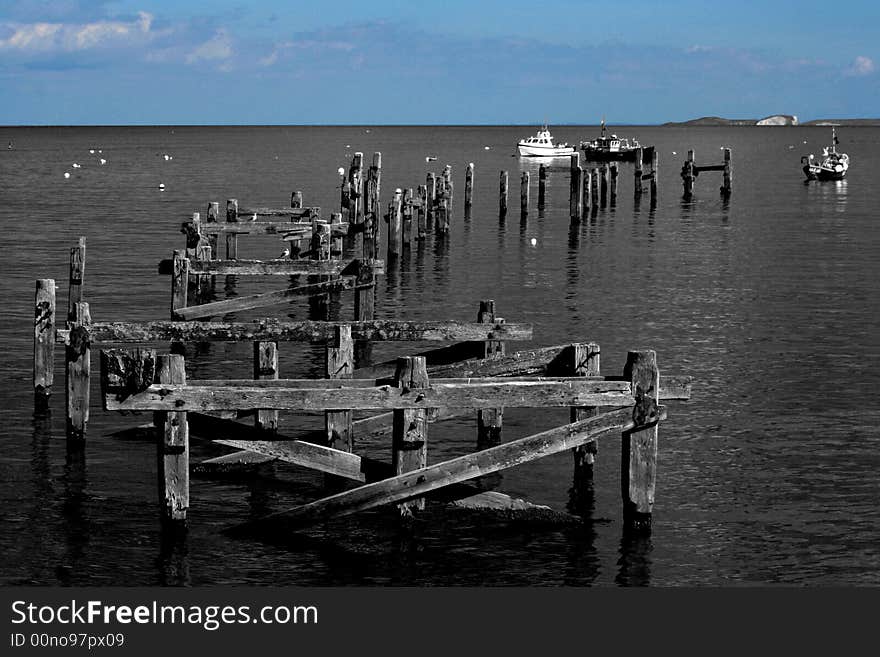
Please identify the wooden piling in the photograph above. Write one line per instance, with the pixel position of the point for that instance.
(727, 174)
(395, 225)
(594, 188)
(575, 198)
(335, 240)
(422, 230)
(449, 195)
(637, 172)
(44, 340)
(502, 195)
(688, 175)
(585, 362)
(612, 192)
(364, 308)
(410, 427)
(638, 474)
(77, 276)
(77, 361)
(179, 277)
(586, 184)
(603, 185)
(211, 214)
(356, 178)
(407, 217)
(468, 190)
(320, 241)
(524, 195)
(266, 367)
(489, 420)
(655, 163)
(339, 364)
(542, 185)
(442, 203)
(296, 199)
(431, 185)
(232, 238)
(173, 445)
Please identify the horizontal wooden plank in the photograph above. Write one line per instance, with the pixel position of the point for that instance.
(278, 267)
(709, 167)
(238, 304)
(246, 227)
(457, 470)
(488, 393)
(301, 331)
(310, 455)
(245, 213)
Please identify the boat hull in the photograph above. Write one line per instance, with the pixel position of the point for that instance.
(530, 150)
(601, 155)
(823, 173)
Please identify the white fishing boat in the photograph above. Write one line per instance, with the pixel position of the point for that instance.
(542, 145)
(831, 166)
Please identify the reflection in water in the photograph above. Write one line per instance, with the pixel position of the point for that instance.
(173, 559)
(74, 517)
(634, 562)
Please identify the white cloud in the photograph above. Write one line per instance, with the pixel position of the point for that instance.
(862, 65)
(218, 47)
(42, 37)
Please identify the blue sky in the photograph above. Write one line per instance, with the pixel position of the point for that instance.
(386, 61)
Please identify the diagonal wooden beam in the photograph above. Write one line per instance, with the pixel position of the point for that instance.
(470, 466)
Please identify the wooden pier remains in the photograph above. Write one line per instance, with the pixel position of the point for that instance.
(475, 374)
(690, 171)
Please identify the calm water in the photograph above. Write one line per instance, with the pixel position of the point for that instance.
(768, 475)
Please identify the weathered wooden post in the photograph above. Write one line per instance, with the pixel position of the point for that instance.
(77, 276)
(594, 188)
(468, 190)
(688, 175)
(296, 200)
(448, 195)
(422, 231)
(637, 172)
(410, 427)
(77, 365)
(320, 240)
(345, 202)
(395, 221)
(638, 474)
(266, 367)
(489, 420)
(584, 362)
(44, 341)
(173, 445)
(407, 217)
(726, 173)
(364, 306)
(441, 200)
(335, 240)
(211, 214)
(586, 185)
(603, 185)
(524, 195)
(542, 185)
(339, 364)
(356, 176)
(655, 163)
(179, 277)
(502, 196)
(575, 199)
(232, 238)
(431, 185)
(612, 194)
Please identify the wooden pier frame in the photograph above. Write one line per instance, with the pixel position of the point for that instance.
(524, 195)
(468, 190)
(690, 171)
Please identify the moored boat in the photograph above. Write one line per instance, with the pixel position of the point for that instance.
(542, 145)
(609, 147)
(831, 166)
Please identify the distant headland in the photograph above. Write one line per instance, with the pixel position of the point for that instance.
(775, 119)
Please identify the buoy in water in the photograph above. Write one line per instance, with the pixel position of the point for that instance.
(340, 171)
(534, 241)
(67, 174)
(162, 186)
